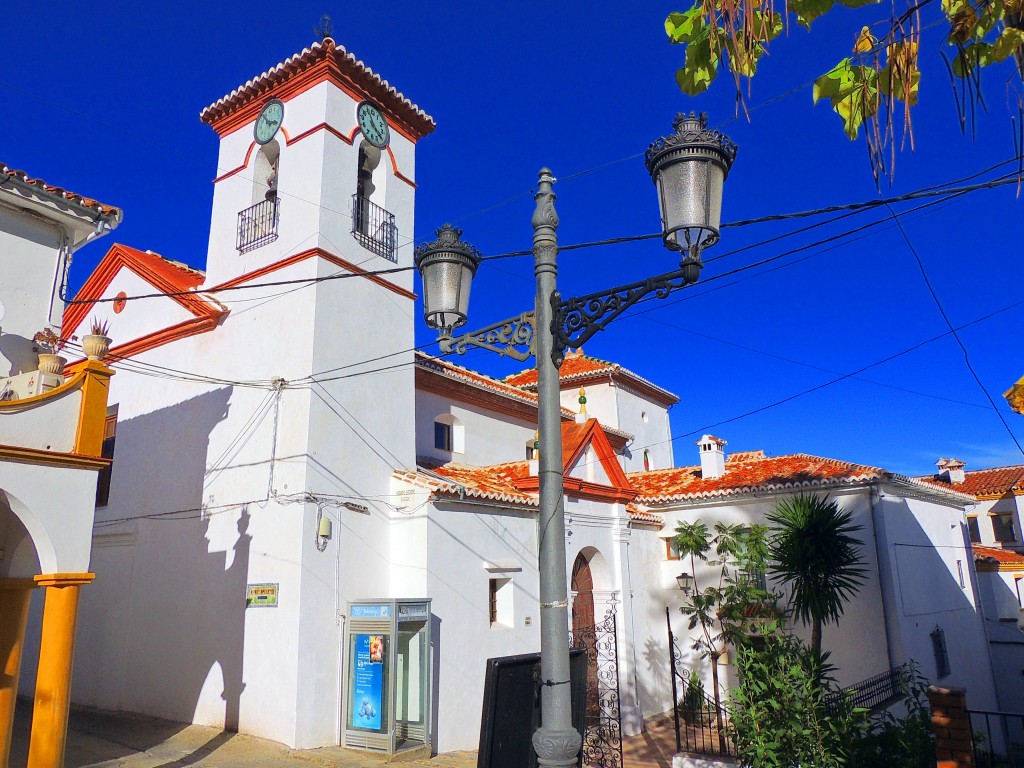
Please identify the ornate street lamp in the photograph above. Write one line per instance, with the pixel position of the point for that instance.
(447, 266)
(689, 170)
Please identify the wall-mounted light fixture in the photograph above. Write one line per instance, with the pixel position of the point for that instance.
(685, 582)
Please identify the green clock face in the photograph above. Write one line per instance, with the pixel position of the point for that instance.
(372, 124)
(270, 119)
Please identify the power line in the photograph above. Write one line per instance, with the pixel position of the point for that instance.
(215, 290)
(953, 331)
(837, 379)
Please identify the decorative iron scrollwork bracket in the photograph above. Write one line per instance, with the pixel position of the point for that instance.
(576, 320)
(509, 338)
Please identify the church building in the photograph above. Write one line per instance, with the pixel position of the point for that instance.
(314, 534)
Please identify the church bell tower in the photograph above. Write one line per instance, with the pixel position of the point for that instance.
(317, 155)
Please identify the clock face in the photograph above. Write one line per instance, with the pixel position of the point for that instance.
(270, 119)
(373, 125)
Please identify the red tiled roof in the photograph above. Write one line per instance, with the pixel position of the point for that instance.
(757, 472)
(984, 482)
(578, 366)
(447, 368)
(1000, 556)
(61, 194)
(504, 482)
(349, 70)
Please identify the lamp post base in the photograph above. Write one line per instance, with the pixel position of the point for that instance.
(556, 748)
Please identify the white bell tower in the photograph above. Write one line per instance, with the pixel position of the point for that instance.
(316, 186)
(317, 158)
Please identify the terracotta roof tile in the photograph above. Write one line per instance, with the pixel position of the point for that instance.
(758, 473)
(501, 482)
(1000, 556)
(484, 381)
(984, 482)
(578, 366)
(351, 68)
(60, 194)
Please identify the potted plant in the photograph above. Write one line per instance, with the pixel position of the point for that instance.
(96, 343)
(49, 345)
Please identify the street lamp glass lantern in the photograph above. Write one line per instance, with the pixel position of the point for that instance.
(689, 169)
(447, 266)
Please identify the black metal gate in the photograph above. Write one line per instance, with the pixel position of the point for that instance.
(701, 725)
(602, 737)
(997, 738)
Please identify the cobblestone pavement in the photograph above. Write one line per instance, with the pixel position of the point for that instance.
(100, 739)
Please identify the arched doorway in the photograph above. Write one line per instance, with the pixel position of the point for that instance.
(596, 635)
(583, 594)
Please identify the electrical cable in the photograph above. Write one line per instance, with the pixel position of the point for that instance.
(953, 331)
(214, 290)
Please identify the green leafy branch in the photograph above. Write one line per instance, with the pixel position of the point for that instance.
(879, 80)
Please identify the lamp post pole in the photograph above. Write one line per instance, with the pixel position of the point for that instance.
(688, 168)
(556, 742)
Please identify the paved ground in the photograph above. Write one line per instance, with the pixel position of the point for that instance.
(98, 739)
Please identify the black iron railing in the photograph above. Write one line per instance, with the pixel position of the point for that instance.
(876, 692)
(257, 225)
(373, 227)
(997, 739)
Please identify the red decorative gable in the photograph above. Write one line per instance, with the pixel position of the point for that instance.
(167, 277)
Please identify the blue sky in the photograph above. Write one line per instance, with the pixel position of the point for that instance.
(107, 104)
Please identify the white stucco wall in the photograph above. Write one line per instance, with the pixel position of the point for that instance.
(30, 248)
(921, 543)
(857, 642)
(490, 438)
(619, 407)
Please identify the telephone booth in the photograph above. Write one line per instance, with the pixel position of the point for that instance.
(387, 676)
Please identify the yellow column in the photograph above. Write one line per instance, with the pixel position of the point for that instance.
(53, 680)
(15, 595)
(93, 412)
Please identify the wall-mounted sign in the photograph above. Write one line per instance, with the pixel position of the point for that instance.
(370, 612)
(414, 611)
(261, 595)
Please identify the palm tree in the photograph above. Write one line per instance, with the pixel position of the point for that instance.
(815, 554)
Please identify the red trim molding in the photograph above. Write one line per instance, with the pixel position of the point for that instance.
(308, 254)
(153, 340)
(350, 139)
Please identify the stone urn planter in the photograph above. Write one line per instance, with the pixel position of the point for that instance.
(51, 363)
(95, 346)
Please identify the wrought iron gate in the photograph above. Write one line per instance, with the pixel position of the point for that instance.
(699, 722)
(602, 737)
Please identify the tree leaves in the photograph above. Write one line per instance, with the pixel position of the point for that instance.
(685, 27)
(883, 71)
(808, 10)
(853, 91)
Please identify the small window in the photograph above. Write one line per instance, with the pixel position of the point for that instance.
(1002, 527)
(449, 434)
(941, 655)
(442, 436)
(107, 452)
(499, 598)
(960, 573)
(671, 549)
(973, 529)
(647, 461)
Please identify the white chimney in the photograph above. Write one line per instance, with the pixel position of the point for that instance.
(952, 470)
(712, 456)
